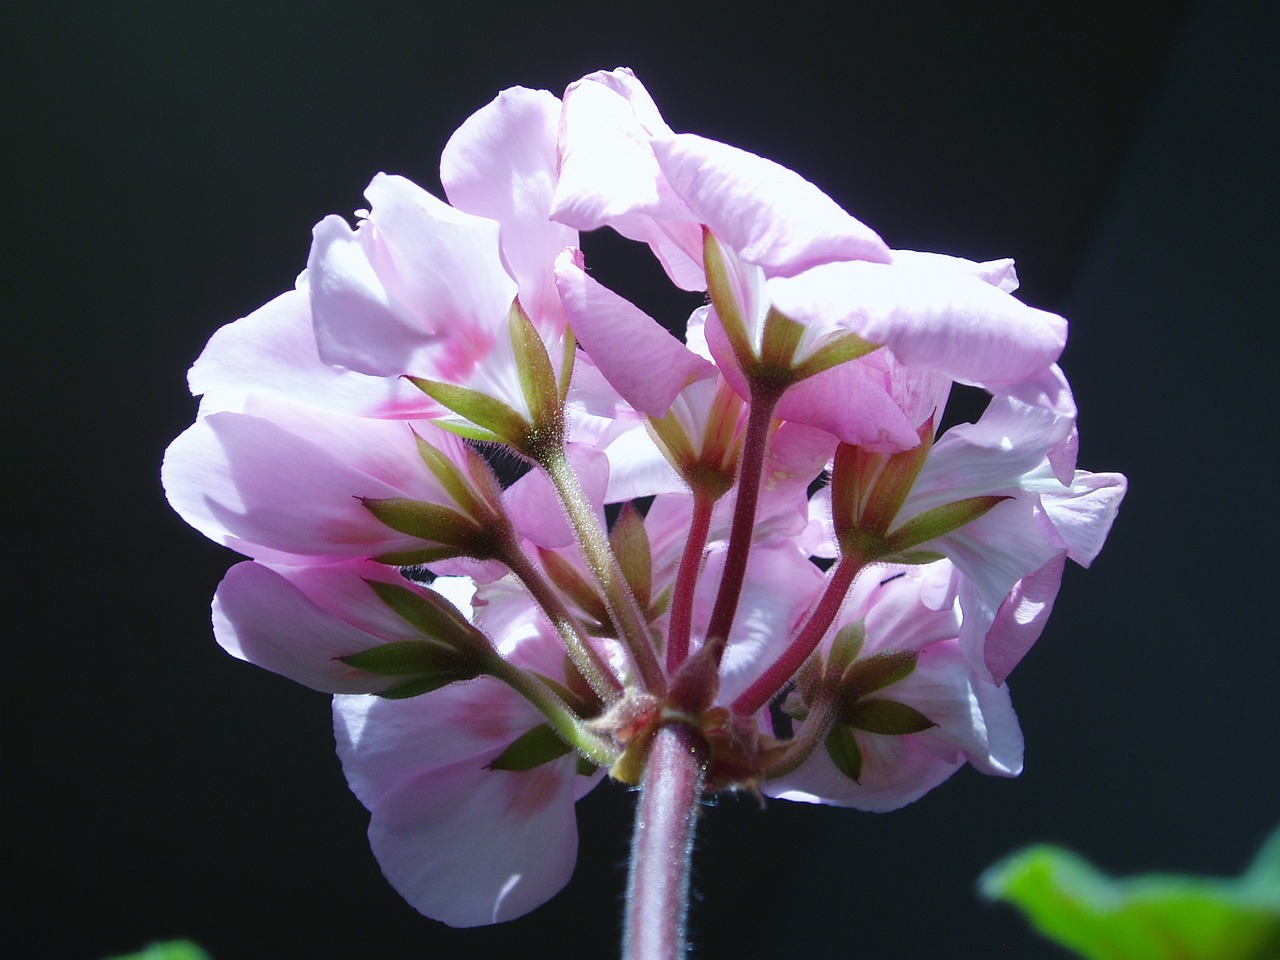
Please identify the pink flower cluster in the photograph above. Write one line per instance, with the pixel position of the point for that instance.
(494, 650)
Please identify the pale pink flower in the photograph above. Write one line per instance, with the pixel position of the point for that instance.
(911, 611)
(462, 841)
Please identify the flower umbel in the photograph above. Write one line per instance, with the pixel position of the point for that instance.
(805, 590)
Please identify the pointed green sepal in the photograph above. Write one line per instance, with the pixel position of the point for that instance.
(497, 420)
(630, 543)
(426, 521)
(940, 521)
(451, 478)
(845, 647)
(431, 615)
(884, 716)
(840, 350)
(540, 745)
(533, 366)
(723, 298)
(566, 577)
(842, 748)
(425, 665)
(779, 344)
(877, 672)
(420, 685)
(585, 767)
(405, 658)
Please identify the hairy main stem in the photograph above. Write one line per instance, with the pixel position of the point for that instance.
(662, 845)
(759, 421)
(805, 642)
(604, 566)
(687, 582)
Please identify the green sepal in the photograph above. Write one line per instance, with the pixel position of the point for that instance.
(845, 647)
(407, 658)
(496, 419)
(884, 716)
(427, 521)
(842, 748)
(1145, 917)
(420, 685)
(940, 521)
(779, 344)
(630, 543)
(430, 614)
(533, 366)
(427, 665)
(722, 298)
(540, 745)
(842, 349)
(585, 767)
(566, 577)
(451, 478)
(877, 672)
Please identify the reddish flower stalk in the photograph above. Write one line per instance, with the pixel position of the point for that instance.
(805, 642)
(764, 399)
(687, 581)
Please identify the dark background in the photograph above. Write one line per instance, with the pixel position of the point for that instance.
(165, 163)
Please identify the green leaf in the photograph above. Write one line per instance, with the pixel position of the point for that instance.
(940, 521)
(489, 413)
(888, 717)
(169, 950)
(540, 745)
(842, 748)
(1148, 917)
(877, 672)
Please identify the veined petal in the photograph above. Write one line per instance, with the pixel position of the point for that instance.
(471, 846)
(262, 617)
(942, 319)
(1021, 618)
(501, 164)
(643, 361)
(772, 216)
(273, 350)
(609, 176)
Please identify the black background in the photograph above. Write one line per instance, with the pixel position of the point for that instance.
(165, 163)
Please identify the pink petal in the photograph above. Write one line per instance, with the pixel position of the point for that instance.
(1021, 619)
(273, 350)
(941, 319)
(535, 508)
(1083, 513)
(772, 216)
(471, 846)
(638, 356)
(259, 616)
(501, 164)
(609, 176)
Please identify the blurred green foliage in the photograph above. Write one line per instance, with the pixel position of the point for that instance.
(1147, 917)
